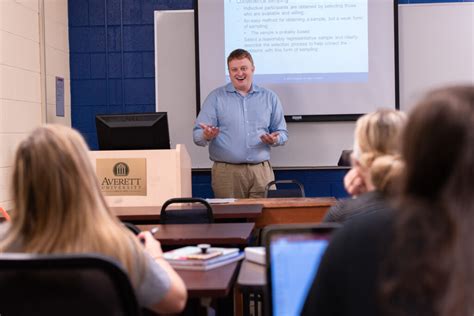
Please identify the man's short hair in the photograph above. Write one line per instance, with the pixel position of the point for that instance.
(239, 53)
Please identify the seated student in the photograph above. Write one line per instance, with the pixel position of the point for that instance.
(58, 208)
(419, 259)
(376, 165)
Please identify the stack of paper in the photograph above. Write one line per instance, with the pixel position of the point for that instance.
(192, 258)
(220, 201)
(255, 254)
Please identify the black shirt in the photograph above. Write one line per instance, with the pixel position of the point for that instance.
(350, 208)
(347, 279)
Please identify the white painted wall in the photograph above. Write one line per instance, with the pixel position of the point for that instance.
(21, 79)
(436, 48)
(20, 82)
(57, 58)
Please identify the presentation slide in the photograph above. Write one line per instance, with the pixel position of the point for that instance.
(322, 58)
(310, 41)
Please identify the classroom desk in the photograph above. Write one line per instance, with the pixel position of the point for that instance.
(206, 286)
(290, 210)
(213, 283)
(261, 211)
(252, 275)
(251, 282)
(151, 214)
(222, 234)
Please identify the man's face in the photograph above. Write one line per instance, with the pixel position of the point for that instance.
(241, 74)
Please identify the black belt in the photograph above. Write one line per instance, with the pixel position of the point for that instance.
(243, 163)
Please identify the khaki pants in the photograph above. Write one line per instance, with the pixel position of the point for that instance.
(241, 180)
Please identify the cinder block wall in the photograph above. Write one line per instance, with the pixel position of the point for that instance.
(27, 77)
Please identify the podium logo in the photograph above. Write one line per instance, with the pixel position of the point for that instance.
(122, 176)
(121, 169)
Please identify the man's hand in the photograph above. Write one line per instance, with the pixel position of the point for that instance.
(270, 139)
(354, 182)
(209, 131)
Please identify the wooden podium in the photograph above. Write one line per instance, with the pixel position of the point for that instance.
(143, 177)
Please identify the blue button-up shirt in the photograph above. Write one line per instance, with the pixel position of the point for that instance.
(241, 121)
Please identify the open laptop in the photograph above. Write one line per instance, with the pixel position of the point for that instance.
(293, 254)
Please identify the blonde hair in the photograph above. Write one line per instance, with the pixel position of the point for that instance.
(378, 138)
(386, 172)
(58, 205)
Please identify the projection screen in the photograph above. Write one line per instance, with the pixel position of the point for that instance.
(326, 60)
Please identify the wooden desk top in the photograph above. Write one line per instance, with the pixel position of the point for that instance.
(223, 234)
(220, 211)
(289, 202)
(212, 283)
(252, 276)
(290, 210)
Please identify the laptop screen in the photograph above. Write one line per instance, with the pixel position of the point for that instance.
(294, 256)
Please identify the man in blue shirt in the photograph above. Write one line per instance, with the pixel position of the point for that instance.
(240, 122)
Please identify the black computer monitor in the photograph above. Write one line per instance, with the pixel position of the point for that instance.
(133, 131)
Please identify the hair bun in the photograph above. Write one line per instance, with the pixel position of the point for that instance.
(385, 172)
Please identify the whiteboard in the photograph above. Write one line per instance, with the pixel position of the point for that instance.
(436, 47)
(425, 62)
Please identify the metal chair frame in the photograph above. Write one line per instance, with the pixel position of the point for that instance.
(268, 192)
(164, 218)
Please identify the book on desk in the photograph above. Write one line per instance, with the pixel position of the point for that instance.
(220, 201)
(255, 254)
(192, 258)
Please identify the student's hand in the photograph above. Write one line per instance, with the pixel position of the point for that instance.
(354, 182)
(152, 246)
(175, 298)
(270, 139)
(210, 132)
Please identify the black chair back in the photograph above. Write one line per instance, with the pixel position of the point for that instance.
(345, 159)
(77, 285)
(186, 216)
(292, 188)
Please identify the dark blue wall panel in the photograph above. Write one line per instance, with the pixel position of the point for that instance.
(96, 12)
(98, 66)
(78, 13)
(316, 182)
(80, 66)
(114, 66)
(111, 46)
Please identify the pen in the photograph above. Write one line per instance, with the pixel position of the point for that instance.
(152, 231)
